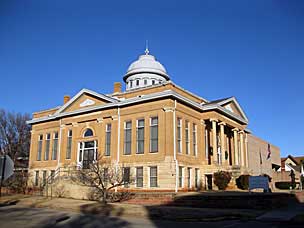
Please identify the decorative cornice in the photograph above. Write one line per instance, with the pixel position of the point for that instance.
(135, 100)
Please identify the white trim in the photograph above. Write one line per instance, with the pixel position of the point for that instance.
(101, 96)
(233, 100)
(135, 100)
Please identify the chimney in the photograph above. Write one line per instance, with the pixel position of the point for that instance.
(66, 98)
(117, 87)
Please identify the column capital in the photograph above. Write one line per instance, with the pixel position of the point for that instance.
(115, 117)
(241, 132)
(222, 123)
(235, 129)
(99, 120)
(75, 124)
(169, 109)
(213, 120)
(203, 122)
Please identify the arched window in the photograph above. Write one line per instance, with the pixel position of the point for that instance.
(88, 133)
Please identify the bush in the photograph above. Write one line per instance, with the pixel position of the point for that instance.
(284, 185)
(222, 179)
(242, 182)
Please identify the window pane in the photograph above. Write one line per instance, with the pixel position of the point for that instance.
(108, 140)
(154, 134)
(55, 147)
(88, 133)
(139, 177)
(153, 176)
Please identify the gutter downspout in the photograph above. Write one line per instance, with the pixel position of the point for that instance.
(118, 134)
(174, 147)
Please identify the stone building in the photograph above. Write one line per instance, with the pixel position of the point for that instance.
(170, 138)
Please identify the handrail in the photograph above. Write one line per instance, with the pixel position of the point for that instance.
(51, 178)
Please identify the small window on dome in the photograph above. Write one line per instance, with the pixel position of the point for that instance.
(88, 133)
(153, 82)
(131, 84)
(137, 82)
(145, 82)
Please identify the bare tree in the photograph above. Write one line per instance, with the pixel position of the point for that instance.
(103, 176)
(18, 183)
(15, 135)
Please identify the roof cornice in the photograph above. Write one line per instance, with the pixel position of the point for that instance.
(136, 100)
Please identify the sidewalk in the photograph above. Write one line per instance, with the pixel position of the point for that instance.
(131, 210)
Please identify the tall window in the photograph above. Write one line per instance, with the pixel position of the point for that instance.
(55, 146)
(187, 137)
(128, 137)
(196, 178)
(44, 177)
(108, 139)
(154, 134)
(180, 176)
(47, 146)
(153, 176)
(69, 145)
(40, 139)
(189, 177)
(140, 136)
(36, 178)
(53, 174)
(139, 177)
(194, 135)
(126, 176)
(179, 135)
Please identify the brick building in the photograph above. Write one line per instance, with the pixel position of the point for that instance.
(170, 138)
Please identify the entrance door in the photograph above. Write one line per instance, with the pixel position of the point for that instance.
(209, 182)
(87, 153)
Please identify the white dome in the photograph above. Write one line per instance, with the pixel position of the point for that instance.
(146, 64)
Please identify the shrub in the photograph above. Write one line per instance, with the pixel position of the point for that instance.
(222, 179)
(284, 185)
(242, 182)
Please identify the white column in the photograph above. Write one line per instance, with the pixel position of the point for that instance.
(242, 148)
(223, 148)
(246, 150)
(235, 140)
(214, 140)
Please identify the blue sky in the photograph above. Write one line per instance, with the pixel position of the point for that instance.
(252, 50)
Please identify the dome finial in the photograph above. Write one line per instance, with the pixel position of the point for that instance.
(147, 48)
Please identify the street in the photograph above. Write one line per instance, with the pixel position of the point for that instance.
(25, 217)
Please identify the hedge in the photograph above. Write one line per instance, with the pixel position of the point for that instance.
(284, 185)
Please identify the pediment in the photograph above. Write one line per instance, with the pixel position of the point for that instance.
(84, 99)
(233, 106)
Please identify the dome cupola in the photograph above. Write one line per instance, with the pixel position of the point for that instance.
(144, 72)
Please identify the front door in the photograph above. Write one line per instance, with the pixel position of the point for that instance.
(209, 182)
(87, 153)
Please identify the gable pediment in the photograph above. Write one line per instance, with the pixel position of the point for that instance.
(233, 106)
(85, 98)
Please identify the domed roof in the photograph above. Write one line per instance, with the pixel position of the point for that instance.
(146, 64)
